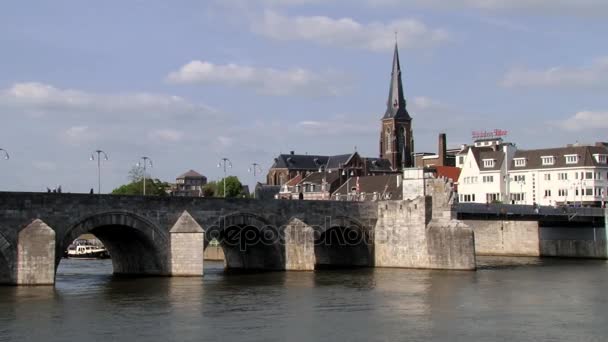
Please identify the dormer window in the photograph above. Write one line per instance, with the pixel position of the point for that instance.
(571, 158)
(520, 162)
(601, 158)
(548, 160)
(488, 163)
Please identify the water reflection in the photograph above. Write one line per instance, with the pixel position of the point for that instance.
(515, 299)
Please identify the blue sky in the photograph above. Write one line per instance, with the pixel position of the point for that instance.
(187, 82)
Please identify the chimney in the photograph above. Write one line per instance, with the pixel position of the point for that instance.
(442, 150)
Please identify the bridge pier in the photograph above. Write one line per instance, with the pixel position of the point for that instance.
(187, 240)
(36, 255)
(299, 246)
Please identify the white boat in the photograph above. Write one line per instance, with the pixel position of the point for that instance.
(86, 251)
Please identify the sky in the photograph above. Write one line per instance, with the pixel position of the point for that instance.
(188, 82)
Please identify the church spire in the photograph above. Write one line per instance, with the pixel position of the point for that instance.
(396, 101)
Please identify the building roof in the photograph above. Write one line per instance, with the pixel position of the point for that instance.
(449, 172)
(190, 174)
(395, 107)
(299, 162)
(484, 153)
(294, 181)
(317, 177)
(336, 162)
(534, 161)
(380, 184)
(315, 162)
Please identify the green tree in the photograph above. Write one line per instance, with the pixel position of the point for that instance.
(234, 188)
(154, 187)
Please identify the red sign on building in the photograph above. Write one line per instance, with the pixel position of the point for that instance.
(496, 133)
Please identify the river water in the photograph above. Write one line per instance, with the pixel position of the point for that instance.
(505, 300)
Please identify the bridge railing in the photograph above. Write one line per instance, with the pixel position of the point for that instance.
(526, 210)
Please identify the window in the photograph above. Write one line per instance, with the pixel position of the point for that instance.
(547, 176)
(519, 162)
(518, 197)
(589, 175)
(488, 163)
(562, 192)
(468, 198)
(547, 193)
(571, 158)
(460, 160)
(492, 198)
(548, 160)
(601, 158)
(562, 176)
(589, 192)
(520, 178)
(488, 179)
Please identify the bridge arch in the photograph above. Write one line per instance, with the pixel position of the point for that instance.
(343, 242)
(136, 245)
(6, 266)
(249, 242)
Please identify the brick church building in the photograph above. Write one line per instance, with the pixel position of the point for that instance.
(396, 145)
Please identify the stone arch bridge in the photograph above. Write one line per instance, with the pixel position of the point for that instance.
(166, 236)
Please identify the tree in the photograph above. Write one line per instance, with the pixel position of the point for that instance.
(209, 189)
(234, 188)
(154, 187)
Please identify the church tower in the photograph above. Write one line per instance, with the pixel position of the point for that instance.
(396, 135)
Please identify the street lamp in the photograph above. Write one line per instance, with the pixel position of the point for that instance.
(224, 162)
(145, 161)
(352, 173)
(255, 167)
(105, 157)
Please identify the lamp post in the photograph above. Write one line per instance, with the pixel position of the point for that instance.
(255, 167)
(144, 162)
(324, 184)
(105, 157)
(225, 162)
(348, 175)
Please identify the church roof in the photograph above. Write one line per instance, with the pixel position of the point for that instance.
(395, 107)
(299, 162)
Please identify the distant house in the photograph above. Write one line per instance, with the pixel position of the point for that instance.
(190, 183)
(289, 166)
(370, 188)
(315, 186)
(265, 191)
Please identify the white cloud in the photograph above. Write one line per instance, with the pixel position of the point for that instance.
(78, 135)
(424, 103)
(594, 75)
(347, 32)
(587, 8)
(166, 135)
(39, 99)
(336, 127)
(585, 120)
(264, 80)
(44, 165)
(543, 7)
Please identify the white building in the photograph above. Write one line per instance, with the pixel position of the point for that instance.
(495, 171)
